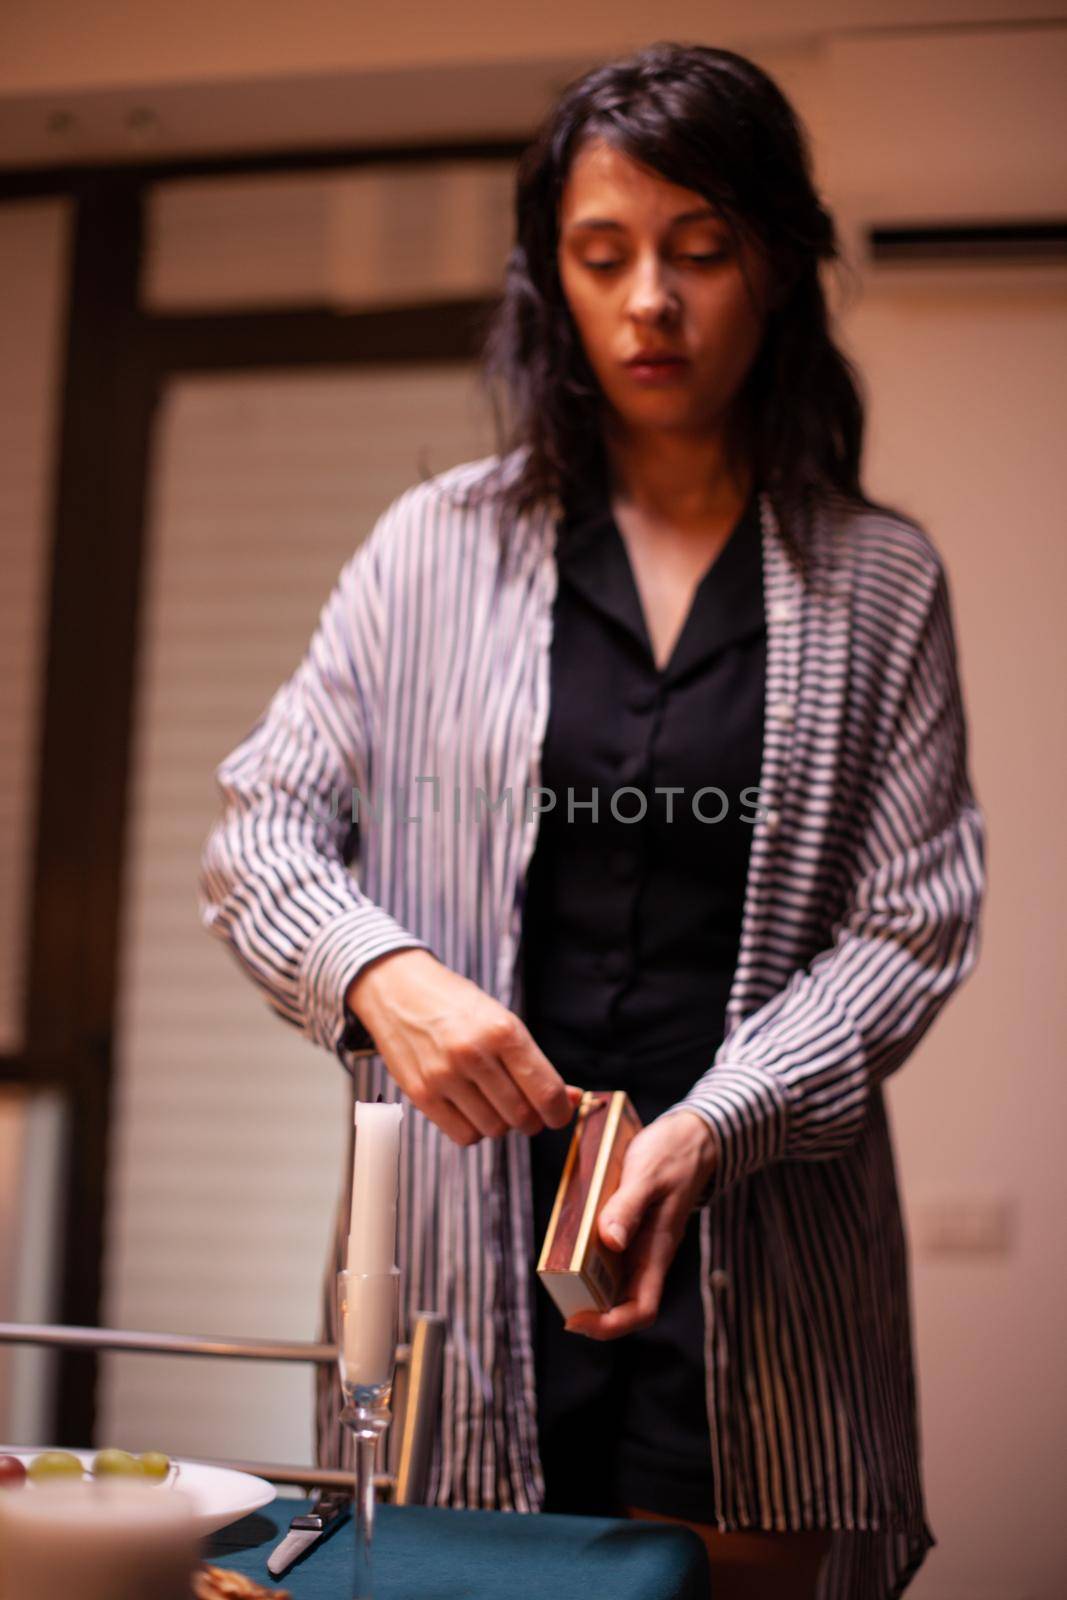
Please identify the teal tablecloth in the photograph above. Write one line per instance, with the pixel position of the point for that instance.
(430, 1553)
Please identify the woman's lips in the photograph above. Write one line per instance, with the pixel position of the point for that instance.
(666, 370)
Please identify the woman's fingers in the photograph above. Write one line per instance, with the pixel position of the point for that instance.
(651, 1254)
(477, 1102)
(532, 1072)
(454, 1124)
(493, 1104)
(493, 1111)
(501, 1079)
(511, 1077)
(465, 1060)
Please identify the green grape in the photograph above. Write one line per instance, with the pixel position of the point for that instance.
(155, 1465)
(54, 1464)
(116, 1464)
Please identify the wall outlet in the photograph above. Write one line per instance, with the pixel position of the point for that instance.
(966, 1225)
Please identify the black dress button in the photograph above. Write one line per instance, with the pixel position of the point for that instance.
(631, 768)
(615, 966)
(623, 865)
(642, 700)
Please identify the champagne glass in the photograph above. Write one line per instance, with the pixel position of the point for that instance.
(368, 1320)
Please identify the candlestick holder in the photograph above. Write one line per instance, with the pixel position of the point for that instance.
(368, 1323)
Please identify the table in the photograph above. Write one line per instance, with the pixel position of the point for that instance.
(432, 1553)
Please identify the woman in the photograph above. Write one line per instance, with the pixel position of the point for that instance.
(666, 596)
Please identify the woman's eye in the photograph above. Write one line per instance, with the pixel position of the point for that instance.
(699, 260)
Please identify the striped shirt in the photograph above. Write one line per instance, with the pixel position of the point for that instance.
(412, 730)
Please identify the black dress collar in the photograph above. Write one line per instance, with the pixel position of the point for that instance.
(728, 604)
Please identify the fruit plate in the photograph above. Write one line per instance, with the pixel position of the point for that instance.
(219, 1494)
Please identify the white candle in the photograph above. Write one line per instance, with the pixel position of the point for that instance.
(375, 1182)
(369, 1333)
(99, 1541)
(368, 1337)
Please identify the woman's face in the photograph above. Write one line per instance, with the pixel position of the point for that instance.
(648, 266)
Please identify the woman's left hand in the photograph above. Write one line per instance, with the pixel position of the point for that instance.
(664, 1172)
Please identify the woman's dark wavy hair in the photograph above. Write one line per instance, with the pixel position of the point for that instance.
(711, 121)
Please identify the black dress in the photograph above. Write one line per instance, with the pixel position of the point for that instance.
(631, 925)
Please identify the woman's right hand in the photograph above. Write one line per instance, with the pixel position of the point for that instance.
(461, 1057)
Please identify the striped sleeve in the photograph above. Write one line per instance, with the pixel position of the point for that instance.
(794, 1079)
(274, 881)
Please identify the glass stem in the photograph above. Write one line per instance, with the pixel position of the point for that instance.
(366, 1441)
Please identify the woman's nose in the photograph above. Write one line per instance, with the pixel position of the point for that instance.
(652, 297)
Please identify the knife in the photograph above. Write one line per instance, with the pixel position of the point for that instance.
(328, 1508)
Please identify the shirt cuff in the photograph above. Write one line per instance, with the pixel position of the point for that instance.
(335, 958)
(747, 1110)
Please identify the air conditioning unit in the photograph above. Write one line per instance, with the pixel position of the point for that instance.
(947, 146)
